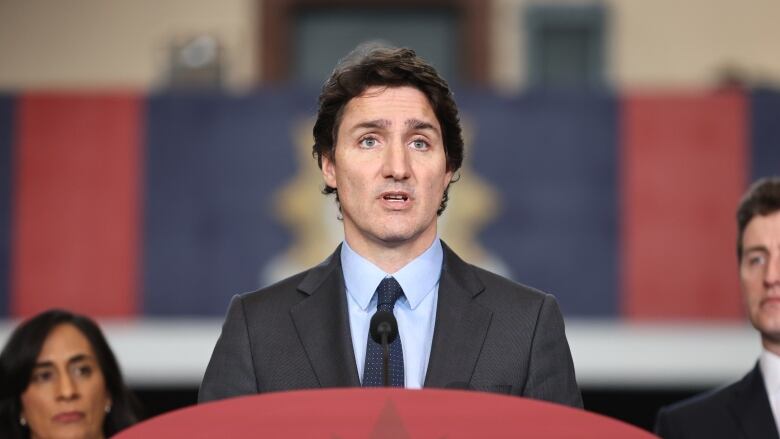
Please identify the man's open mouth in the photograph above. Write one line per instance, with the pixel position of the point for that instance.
(395, 197)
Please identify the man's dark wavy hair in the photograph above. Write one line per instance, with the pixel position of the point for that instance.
(763, 198)
(17, 362)
(388, 67)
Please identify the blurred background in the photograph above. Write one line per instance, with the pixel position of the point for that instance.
(155, 160)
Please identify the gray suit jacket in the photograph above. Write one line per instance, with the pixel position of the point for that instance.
(490, 334)
(738, 411)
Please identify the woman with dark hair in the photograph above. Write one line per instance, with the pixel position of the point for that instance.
(59, 378)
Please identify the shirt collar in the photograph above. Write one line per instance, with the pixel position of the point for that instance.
(417, 278)
(770, 369)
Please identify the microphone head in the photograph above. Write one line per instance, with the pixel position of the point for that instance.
(383, 322)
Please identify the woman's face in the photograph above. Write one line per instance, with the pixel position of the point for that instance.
(67, 395)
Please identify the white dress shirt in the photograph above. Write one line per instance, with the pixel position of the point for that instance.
(769, 363)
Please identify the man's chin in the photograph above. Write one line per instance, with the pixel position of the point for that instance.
(769, 329)
(396, 239)
(394, 234)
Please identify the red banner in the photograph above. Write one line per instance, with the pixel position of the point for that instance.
(77, 204)
(684, 168)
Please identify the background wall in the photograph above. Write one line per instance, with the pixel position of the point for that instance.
(89, 43)
(660, 44)
(95, 44)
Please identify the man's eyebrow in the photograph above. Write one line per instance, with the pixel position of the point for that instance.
(374, 124)
(414, 124)
(417, 124)
(755, 248)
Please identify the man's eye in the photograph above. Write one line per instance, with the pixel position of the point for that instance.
(756, 260)
(419, 144)
(368, 142)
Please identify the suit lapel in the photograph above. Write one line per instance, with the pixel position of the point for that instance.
(323, 325)
(751, 407)
(461, 325)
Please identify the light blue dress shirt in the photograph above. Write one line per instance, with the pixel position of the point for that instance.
(415, 311)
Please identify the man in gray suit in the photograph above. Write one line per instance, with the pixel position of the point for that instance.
(388, 142)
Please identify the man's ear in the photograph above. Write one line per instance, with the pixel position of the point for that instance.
(329, 171)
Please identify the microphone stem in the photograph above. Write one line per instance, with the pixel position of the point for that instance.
(385, 360)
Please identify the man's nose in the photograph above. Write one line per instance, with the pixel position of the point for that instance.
(396, 161)
(772, 273)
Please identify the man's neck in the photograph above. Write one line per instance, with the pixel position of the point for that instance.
(770, 345)
(390, 257)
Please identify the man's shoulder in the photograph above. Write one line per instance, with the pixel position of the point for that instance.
(502, 289)
(292, 289)
(283, 293)
(705, 404)
(494, 281)
(279, 287)
(713, 413)
(493, 286)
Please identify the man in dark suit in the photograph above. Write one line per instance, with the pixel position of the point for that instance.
(388, 142)
(749, 408)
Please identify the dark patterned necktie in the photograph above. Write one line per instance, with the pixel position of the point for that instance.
(387, 293)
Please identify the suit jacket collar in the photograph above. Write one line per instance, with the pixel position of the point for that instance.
(323, 324)
(461, 325)
(751, 407)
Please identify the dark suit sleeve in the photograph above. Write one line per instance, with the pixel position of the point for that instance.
(551, 369)
(230, 371)
(663, 427)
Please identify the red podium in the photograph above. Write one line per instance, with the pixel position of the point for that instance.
(382, 413)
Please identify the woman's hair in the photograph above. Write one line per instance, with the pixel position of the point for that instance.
(20, 354)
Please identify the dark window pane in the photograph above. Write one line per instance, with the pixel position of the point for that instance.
(325, 36)
(566, 46)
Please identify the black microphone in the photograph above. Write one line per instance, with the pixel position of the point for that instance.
(384, 330)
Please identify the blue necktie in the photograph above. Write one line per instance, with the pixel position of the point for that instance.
(387, 293)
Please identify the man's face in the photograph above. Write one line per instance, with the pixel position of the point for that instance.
(389, 167)
(760, 275)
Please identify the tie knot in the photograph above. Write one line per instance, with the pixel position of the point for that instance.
(388, 291)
